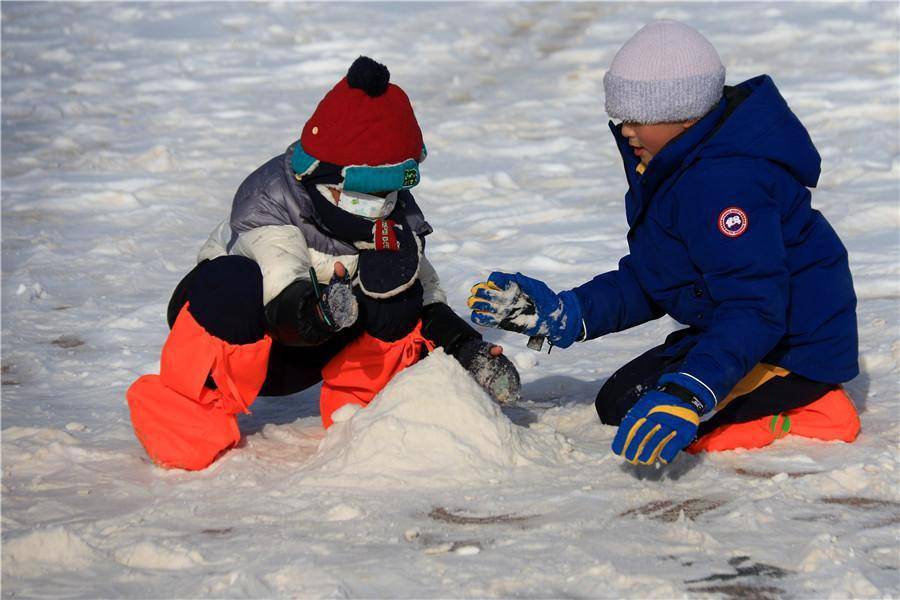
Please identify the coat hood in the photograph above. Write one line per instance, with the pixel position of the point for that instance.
(759, 124)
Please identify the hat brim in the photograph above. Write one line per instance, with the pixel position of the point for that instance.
(364, 178)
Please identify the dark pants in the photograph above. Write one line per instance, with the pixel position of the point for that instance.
(226, 299)
(225, 296)
(623, 389)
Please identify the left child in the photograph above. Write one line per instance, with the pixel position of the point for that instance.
(252, 318)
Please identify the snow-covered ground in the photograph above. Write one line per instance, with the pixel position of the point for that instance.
(126, 129)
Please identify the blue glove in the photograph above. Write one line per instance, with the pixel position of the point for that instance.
(525, 305)
(664, 421)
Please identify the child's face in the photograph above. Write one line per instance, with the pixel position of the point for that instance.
(648, 140)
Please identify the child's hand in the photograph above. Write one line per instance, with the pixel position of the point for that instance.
(502, 304)
(493, 371)
(521, 304)
(337, 302)
(664, 421)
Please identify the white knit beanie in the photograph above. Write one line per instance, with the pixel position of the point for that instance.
(667, 72)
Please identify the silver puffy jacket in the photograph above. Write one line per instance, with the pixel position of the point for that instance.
(273, 222)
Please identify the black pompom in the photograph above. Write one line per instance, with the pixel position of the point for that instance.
(369, 76)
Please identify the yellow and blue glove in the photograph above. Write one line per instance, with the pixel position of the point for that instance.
(521, 304)
(664, 421)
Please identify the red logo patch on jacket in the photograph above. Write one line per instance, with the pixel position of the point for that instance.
(733, 222)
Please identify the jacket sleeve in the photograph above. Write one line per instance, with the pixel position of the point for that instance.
(615, 301)
(445, 328)
(431, 283)
(732, 229)
(215, 246)
(292, 316)
(281, 253)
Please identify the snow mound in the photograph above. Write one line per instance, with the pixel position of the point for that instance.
(44, 551)
(147, 555)
(432, 425)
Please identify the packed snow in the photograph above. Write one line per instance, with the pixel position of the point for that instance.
(457, 436)
(126, 129)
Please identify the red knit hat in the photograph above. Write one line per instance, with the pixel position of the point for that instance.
(364, 120)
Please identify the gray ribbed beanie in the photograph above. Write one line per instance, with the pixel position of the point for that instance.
(667, 72)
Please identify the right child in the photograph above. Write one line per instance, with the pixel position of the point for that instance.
(722, 238)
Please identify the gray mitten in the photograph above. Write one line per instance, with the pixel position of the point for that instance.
(340, 304)
(337, 305)
(496, 374)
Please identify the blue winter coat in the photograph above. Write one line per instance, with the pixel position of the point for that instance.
(723, 238)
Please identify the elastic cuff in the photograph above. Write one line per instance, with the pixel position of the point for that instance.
(695, 386)
(572, 324)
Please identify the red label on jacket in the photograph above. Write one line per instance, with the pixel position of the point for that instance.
(385, 236)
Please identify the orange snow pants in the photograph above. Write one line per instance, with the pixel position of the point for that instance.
(363, 367)
(832, 417)
(180, 422)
